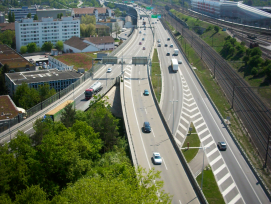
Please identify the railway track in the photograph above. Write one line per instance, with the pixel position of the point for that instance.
(254, 114)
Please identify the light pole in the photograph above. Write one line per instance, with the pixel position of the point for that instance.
(173, 101)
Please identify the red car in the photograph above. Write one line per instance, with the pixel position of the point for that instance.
(140, 43)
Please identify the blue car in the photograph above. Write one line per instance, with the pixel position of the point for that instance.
(146, 92)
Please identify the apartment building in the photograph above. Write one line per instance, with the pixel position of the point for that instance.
(45, 30)
(102, 30)
(99, 13)
(22, 12)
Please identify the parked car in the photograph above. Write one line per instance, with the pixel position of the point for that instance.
(147, 127)
(157, 159)
(222, 146)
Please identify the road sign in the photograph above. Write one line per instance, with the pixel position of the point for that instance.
(159, 16)
(125, 2)
(110, 60)
(139, 60)
(148, 8)
(154, 16)
(151, 8)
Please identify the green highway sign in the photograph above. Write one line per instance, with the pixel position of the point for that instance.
(125, 2)
(156, 16)
(148, 8)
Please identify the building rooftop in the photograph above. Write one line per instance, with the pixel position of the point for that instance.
(89, 10)
(101, 26)
(7, 26)
(7, 108)
(100, 40)
(41, 76)
(12, 58)
(76, 42)
(128, 19)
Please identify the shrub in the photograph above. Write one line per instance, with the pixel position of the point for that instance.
(254, 71)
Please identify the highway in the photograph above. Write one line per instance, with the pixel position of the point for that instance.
(235, 179)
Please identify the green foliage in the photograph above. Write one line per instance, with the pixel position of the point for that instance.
(254, 71)
(267, 70)
(59, 15)
(28, 15)
(216, 28)
(8, 37)
(68, 115)
(117, 12)
(87, 30)
(36, 17)
(33, 194)
(23, 49)
(59, 45)
(26, 97)
(47, 46)
(11, 17)
(209, 28)
(111, 5)
(32, 47)
(87, 19)
(91, 3)
(257, 2)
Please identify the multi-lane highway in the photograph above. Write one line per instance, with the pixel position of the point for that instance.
(235, 179)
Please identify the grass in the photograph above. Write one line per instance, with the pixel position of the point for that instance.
(156, 75)
(210, 188)
(194, 141)
(224, 108)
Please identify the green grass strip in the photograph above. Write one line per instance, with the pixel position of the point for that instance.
(210, 188)
(156, 75)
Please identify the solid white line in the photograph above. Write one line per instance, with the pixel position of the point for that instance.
(180, 202)
(164, 162)
(169, 116)
(28, 129)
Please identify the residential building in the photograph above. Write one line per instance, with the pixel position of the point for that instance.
(113, 24)
(99, 13)
(10, 114)
(7, 26)
(50, 13)
(75, 45)
(102, 30)
(57, 79)
(128, 22)
(14, 60)
(2, 18)
(22, 12)
(45, 30)
(103, 43)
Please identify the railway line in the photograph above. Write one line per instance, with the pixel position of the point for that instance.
(253, 112)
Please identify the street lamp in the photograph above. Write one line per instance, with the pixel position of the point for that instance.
(173, 101)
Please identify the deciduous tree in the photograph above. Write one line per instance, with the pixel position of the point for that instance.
(23, 49)
(29, 15)
(59, 45)
(68, 115)
(47, 46)
(32, 47)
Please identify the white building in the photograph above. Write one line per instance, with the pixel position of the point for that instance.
(128, 22)
(45, 30)
(91, 44)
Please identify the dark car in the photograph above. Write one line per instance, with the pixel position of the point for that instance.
(147, 127)
(168, 54)
(168, 38)
(222, 146)
(165, 45)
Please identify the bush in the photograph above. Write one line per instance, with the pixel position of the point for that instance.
(209, 28)
(254, 71)
(23, 49)
(216, 28)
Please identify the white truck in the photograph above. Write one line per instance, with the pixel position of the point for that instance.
(174, 65)
(176, 52)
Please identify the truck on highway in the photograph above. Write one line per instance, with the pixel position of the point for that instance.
(174, 65)
(176, 52)
(55, 114)
(94, 89)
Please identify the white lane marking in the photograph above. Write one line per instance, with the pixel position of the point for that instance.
(28, 129)
(164, 162)
(225, 140)
(146, 110)
(235, 199)
(153, 132)
(169, 116)
(139, 81)
(180, 202)
(173, 88)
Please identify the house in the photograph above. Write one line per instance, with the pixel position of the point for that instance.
(99, 13)
(90, 44)
(128, 22)
(14, 60)
(7, 26)
(44, 30)
(102, 30)
(76, 44)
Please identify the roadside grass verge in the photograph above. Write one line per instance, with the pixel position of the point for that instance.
(224, 108)
(210, 188)
(194, 141)
(156, 75)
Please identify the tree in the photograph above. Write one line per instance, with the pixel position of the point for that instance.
(111, 5)
(216, 28)
(47, 46)
(45, 91)
(243, 43)
(231, 50)
(59, 45)
(7, 37)
(33, 194)
(87, 19)
(68, 115)
(23, 49)
(254, 71)
(117, 12)
(36, 17)
(267, 70)
(124, 13)
(13, 17)
(31, 47)
(9, 17)
(29, 15)
(256, 51)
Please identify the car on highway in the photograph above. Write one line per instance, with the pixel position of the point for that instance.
(139, 32)
(109, 70)
(125, 33)
(168, 38)
(140, 43)
(222, 146)
(152, 23)
(180, 62)
(165, 45)
(158, 41)
(143, 39)
(157, 159)
(143, 48)
(146, 127)
(168, 54)
(171, 45)
(144, 28)
(146, 92)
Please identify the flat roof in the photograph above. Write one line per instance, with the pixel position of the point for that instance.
(42, 76)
